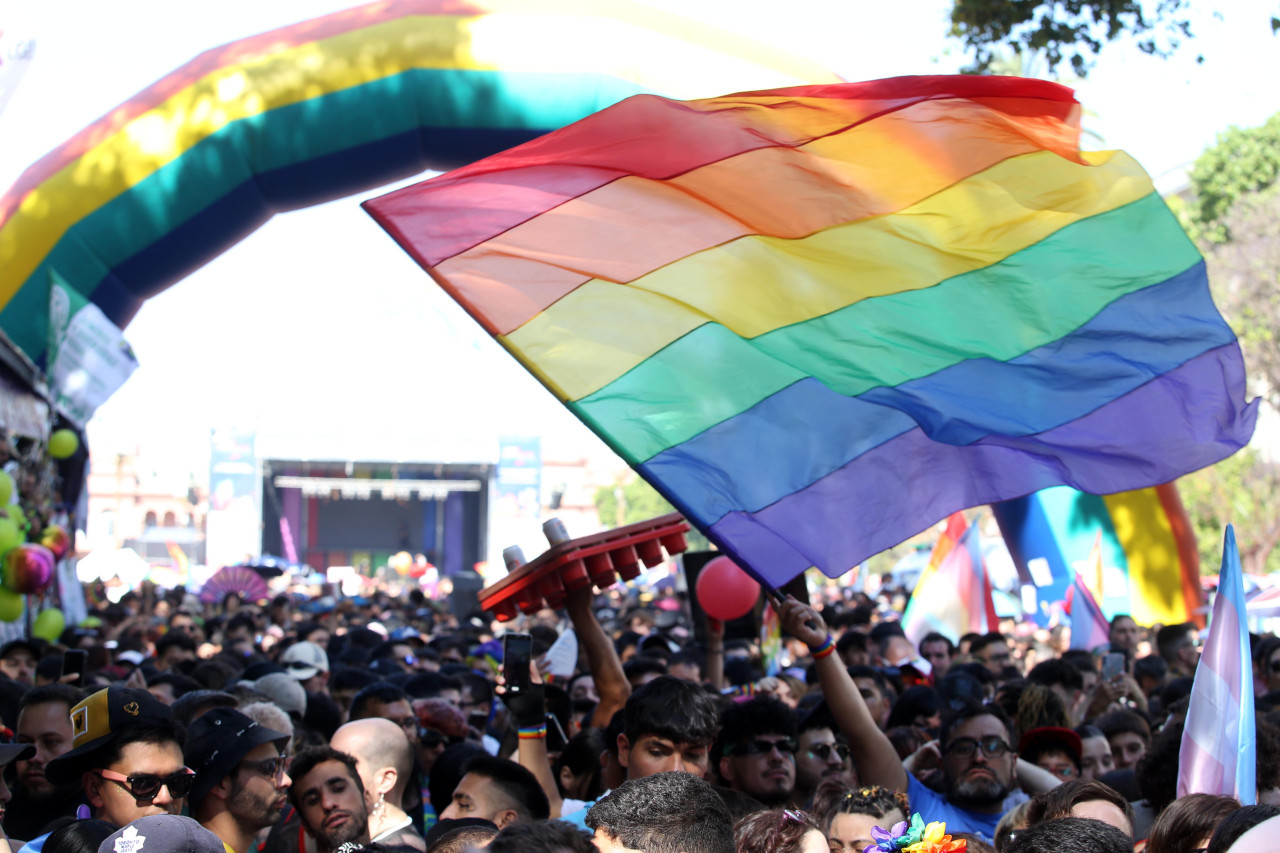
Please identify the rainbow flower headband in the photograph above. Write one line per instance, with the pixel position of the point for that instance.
(914, 837)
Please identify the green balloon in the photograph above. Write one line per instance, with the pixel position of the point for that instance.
(49, 624)
(6, 488)
(19, 516)
(63, 444)
(11, 535)
(10, 606)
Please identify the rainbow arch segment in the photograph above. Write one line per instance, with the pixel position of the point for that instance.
(318, 110)
(821, 319)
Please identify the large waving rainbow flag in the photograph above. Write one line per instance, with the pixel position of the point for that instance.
(820, 319)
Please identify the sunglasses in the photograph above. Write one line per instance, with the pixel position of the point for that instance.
(272, 768)
(822, 751)
(992, 746)
(763, 746)
(430, 738)
(145, 786)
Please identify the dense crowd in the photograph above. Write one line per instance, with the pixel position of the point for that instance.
(315, 726)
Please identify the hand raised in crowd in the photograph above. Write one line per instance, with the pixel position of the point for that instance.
(803, 622)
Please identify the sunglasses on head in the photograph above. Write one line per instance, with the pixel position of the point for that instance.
(145, 786)
(992, 746)
(763, 746)
(822, 751)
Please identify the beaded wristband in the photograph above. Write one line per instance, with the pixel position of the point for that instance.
(828, 646)
(532, 732)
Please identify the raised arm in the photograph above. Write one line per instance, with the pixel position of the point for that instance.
(876, 760)
(606, 670)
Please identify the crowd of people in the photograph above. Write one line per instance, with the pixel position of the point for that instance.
(321, 726)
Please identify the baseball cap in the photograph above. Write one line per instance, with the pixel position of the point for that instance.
(304, 660)
(284, 691)
(99, 720)
(217, 741)
(162, 833)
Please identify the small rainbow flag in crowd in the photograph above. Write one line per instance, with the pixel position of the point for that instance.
(820, 319)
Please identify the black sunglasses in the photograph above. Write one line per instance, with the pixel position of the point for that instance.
(822, 751)
(145, 786)
(992, 746)
(763, 746)
(272, 768)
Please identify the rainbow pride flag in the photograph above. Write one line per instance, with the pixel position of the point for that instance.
(820, 319)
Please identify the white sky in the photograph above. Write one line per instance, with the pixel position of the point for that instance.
(319, 324)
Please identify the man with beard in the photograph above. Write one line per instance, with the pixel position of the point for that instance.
(756, 750)
(329, 798)
(818, 756)
(974, 753)
(384, 759)
(44, 721)
(241, 779)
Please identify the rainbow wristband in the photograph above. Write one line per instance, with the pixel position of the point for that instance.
(828, 646)
(532, 732)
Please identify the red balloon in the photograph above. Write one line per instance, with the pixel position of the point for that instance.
(28, 568)
(725, 591)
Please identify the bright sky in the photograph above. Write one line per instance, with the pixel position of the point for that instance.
(318, 324)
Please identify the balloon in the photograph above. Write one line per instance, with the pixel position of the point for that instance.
(28, 568)
(401, 562)
(56, 540)
(49, 624)
(6, 488)
(11, 535)
(10, 606)
(63, 444)
(725, 591)
(19, 516)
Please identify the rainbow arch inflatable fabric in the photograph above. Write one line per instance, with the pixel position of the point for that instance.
(820, 319)
(1148, 547)
(324, 108)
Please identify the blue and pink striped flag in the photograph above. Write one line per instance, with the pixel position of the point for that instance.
(956, 599)
(1218, 743)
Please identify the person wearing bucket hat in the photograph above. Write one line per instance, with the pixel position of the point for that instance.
(127, 752)
(241, 776)
(162, 834)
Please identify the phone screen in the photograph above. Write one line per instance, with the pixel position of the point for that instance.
(73, 663)
(1112, 665)
(517, 651)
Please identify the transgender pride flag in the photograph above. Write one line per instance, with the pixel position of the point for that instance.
(1218, 742)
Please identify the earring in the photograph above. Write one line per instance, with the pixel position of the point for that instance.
(379, 805)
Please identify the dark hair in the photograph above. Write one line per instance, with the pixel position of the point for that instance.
(851, 640)
(1179, 828)
(1123, 720)
(833, 798)
(472, 834)
(156, 730)
(1237, 824)
(480, 688)
(1170, 638)
(429, 685)
(1053, 672)
(1151, 666)
(640, 666)
(178, 683)
(743, 721)
(79, 836)
(323, 715)
(214, 674)
(175, 639)
(517, 784)
(447, 772)
(46, 693)
(935, 637)
(671, 708)
(772, 831)
(553, 836)
(582, 756)
(985, 640)
(351, 676)
(307, 760)
(1057, 803)
(190, 705)
(665, 813)
(382, 692)
(1071, 835)
(1157, 770)
(957, 718)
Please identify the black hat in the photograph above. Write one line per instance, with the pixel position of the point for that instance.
(35, 647)
(162, 833)
(97, 721)
(217, 741)
(11, 752)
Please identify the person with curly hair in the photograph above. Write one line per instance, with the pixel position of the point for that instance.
(778, 831)
(847, 815)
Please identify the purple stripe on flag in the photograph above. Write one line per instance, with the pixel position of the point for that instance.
(1184, 420)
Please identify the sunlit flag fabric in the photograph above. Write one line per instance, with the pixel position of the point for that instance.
(1089, 627)
(956, 599)
(1218, 754)
(820, 319)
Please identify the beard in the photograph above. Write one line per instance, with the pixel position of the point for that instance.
(254, 811)
(977, 792)
(356, 828)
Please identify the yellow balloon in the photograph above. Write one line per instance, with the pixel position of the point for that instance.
(10, 606)
(19, 516)
(63, 444)
(11, 535)
(49, 624)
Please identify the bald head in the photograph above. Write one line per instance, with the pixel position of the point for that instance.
(378, 745)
